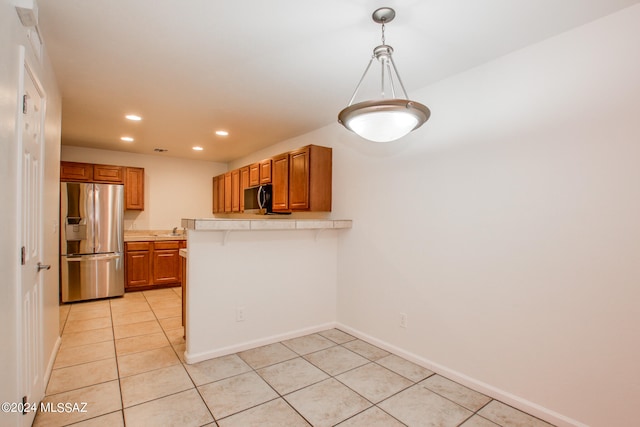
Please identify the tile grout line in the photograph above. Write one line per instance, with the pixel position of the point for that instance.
(181, 362)
(115, 351)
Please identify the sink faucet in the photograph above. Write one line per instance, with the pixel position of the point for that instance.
(175, 230)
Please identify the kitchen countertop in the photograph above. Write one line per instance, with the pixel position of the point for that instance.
(217, 224)
(152, 235)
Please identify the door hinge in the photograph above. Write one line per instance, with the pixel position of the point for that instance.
(23, 255)
(24, 405)
(25, 100)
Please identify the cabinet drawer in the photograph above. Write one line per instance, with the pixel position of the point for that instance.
(138, 246)
(168, 244)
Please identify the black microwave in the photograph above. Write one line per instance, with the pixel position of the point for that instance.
(258, 199)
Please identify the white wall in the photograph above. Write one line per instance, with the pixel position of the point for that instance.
(285, 282)
(11, 37)
(507, 229)
(174, 188)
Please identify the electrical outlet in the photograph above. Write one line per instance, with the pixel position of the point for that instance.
(403, 320)
(240, 314)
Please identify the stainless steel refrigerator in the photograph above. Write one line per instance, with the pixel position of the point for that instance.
(92, 241)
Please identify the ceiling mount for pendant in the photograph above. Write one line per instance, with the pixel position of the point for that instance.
(384, 119)
(384, 15)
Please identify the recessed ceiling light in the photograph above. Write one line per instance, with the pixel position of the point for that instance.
(198, 148)
(222, 133)
(127, 139)
(133, 117)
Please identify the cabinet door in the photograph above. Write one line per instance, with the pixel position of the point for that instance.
(227, 192)
(265, 172)
(280, 195)
(134, 189)
(138, 269)
(254, 174)
(107, 173)
(235, 190)
(71, 171)
(244, 183)
(299, 179)
(214, 195)
(166, 267)
(221, 194)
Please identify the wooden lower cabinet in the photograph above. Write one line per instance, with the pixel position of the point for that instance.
(138, 265)
(184, 294)
(167, 268)
(151, 265)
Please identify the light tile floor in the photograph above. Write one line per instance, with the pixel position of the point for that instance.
(124, 358)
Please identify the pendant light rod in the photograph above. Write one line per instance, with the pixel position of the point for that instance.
(393, 64)
(355, 92)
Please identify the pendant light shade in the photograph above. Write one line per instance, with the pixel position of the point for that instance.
(384, 119)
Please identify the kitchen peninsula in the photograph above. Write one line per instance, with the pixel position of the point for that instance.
(252, 282)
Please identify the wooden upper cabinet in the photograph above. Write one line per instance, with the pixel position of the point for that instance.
(227, 192)
(299, 179)
(310, 182)
(214, 195)
(254, 174)
(235, 190)
(221, 194)
(108, 173)
(280, 181)
(132, 178)
(265, 172)
(218, 194)
(72, 171)
(244, 183)
(134, 189)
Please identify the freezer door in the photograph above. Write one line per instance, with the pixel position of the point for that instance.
(88, 277)
(76, 217)
(108, 218)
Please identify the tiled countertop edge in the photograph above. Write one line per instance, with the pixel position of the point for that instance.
(214, 224)
(152, 235)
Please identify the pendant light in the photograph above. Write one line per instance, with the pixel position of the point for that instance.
(387, 118)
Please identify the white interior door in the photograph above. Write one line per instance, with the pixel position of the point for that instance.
(31, 217)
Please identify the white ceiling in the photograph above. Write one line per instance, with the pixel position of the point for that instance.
(263, 70)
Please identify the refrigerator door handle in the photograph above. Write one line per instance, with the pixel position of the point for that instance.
(92, 257)
(107, 256)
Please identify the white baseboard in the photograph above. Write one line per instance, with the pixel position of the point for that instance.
(191, 358)
(482, 387)
(52, 359)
